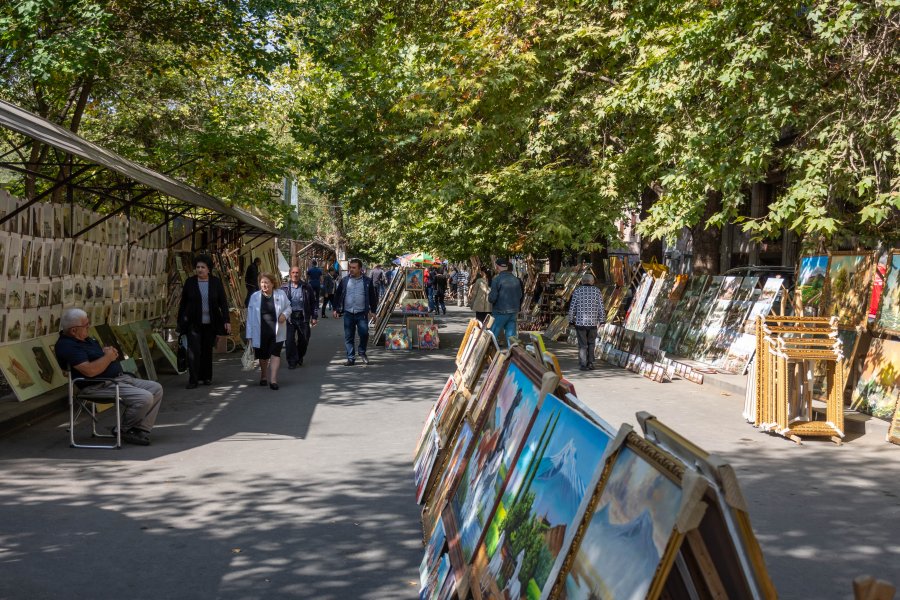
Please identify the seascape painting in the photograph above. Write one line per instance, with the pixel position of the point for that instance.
(496, 449)
(539, 505)
(627, 533)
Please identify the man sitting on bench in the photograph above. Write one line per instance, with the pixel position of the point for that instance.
(140, 398)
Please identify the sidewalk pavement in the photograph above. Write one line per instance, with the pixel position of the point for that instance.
(307, 492)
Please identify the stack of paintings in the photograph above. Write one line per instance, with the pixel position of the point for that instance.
(386, 306)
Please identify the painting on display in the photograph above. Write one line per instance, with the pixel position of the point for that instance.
(396, 338)
(889, 306)
(704, 305)
(428, 336)
(415, 280)
(498, 445)
(811, 285)
(547, 485)
(412, 327)
(628, 524)
(21, 371)
(424, 461)
(848, 288)
(876, 390)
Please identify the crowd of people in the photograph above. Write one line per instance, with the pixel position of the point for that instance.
(282, 315)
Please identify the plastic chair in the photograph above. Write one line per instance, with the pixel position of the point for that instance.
(89, 406)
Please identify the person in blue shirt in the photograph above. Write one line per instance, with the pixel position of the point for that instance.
(355, 299)
(314, 278)
(83, 355)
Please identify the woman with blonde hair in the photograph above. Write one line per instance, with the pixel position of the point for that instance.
(267, 315)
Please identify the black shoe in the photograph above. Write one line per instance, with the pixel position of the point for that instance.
(582, 368)
(206, 381)
(591, 367)
(292, 367)
(136, 437)
(273, 386)
(349, 363)
(364, 358)
(300, 363)
(263, 382)
(191, 385)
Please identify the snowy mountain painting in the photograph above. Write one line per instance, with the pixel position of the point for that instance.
(545, 489)
(627, 534)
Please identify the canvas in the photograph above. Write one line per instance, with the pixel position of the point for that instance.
(21, 371)
(889, 304)
(412, 326)
(848, 288)
(424, 460)
(626, 533)
(811, 285)
(878, 385)
(546, 487)
(48, 369)
(415, 280)
(704, 305)
(433, 551)
(458, 456)
(483, 396)
(497, 447)
(395, 338)
(428, 337)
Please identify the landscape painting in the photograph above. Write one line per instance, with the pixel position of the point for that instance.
(849, 285)
(811, 284)
(562, 452)
(495, 451)
(877, 388)
(627, 534)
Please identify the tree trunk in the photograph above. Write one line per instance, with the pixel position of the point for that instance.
(650, 248)
(708, 240)
(597, 259)
(556, 257)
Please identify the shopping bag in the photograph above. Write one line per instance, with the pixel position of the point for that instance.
(248, 360)
(182, 354)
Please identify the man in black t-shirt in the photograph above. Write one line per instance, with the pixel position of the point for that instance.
(83, 355)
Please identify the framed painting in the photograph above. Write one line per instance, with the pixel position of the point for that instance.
(810, 288)
(705, 304)
(876, 390)
(412, 326)
(434, 551)
(415, 280)
(848, 287)
(546, 487)
(21, 371)
(456, 461)
(482, 397)
(888, 319)
(626, 540)
(474, 366)
(500, 440)
(424, 461)
(429, 339)
(464, 345)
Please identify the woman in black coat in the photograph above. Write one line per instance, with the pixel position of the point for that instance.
(202, 315)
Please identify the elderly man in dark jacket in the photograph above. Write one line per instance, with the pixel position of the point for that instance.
(356, 299)
(304, 316)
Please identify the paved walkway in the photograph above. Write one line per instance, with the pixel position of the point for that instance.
(307, 492)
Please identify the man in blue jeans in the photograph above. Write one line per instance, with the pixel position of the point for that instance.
(355, 299)
(505, 298)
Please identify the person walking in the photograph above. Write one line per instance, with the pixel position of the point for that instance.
(356, 300)
(202, 315)
(314, 277)
(440, 291)
(328, 285)
(505, 298)
(251, 278)
(379, 280)
(586, 313)
(76, 351)
(478, 295)
(462, 286)
(267, 316)
(304, 316)
(429, 287)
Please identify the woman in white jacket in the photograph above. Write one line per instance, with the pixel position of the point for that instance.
(267, 315)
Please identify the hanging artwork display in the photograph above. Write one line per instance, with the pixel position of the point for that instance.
(889, 305)
(848, 287)
(878, 385)
(547, 485)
